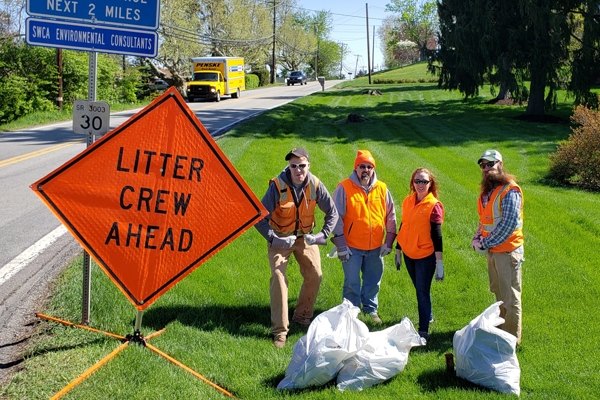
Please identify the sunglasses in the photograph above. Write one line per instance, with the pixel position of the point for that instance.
(301, 166)
(421, 182)
(365, 166)
(488, 164)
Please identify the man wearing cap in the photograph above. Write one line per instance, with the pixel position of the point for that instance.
(364, 233)
(500, 237)
(291, 200)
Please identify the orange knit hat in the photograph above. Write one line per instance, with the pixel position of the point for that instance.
(364, 156)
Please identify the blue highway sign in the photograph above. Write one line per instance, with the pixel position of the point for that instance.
(104, 39)
(140, 14)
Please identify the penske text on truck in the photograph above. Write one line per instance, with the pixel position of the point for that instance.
(214, 77)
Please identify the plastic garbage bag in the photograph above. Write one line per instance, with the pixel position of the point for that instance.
(332, 337)
(384, 355)
(486, 355)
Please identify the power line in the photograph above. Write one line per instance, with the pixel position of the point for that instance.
(339, 15)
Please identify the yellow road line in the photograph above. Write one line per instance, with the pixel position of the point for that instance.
(27, 156)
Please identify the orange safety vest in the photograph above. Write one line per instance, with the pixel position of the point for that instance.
(415, 232)
(288, 218)
(365, 218)
(491, 215)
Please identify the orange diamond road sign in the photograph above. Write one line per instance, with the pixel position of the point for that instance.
(152, 200)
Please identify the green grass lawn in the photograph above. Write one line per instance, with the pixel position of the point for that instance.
(217, 319)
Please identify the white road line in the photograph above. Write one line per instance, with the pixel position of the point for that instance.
(27, 256)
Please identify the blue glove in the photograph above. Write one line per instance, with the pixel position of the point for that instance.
(384, 250)
(344, 253)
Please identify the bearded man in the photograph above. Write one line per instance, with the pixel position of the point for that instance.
(500, 237)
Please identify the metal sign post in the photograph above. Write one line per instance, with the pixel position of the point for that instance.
(87, 260)
(108, 26)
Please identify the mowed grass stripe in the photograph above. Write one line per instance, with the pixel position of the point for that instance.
(218, 320)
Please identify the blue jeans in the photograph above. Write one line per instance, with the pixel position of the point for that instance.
(421, 273)
(370, 264)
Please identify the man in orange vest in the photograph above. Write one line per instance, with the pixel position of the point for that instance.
(500, 237)
(291, 200)
(365, 232)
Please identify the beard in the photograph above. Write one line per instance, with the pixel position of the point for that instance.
(491, 181)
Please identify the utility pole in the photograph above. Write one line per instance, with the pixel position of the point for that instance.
(342, 46)
(373, 50)
(59, 67)
(273, 52)
(317, 54)
(356, 67)
(368, 50)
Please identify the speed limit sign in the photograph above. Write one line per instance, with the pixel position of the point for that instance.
(91, 117)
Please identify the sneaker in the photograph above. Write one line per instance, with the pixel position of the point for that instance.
(279, 341)
(375, 318)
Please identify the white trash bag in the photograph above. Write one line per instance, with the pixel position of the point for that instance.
(384, 355)
(486, 355)
(332, 337)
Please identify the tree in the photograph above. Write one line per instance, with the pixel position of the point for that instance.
(505, 43)
(417, 22)
(296, 40)
(179, 39)
(476, 44)
(12, 15)
(397, 50)
(548, 36)
(586, 59)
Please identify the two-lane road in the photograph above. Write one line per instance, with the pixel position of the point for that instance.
(34, 246)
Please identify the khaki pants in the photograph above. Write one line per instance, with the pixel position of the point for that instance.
(309, 260)
(505, 273)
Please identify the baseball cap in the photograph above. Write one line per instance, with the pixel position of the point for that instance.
(296, 152)
(490, 155)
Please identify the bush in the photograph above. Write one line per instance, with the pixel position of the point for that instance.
(252, 81)
(264, 76)
(577, 159)
(14, 99)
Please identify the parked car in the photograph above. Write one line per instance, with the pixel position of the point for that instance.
(296, 77)
(158, 84)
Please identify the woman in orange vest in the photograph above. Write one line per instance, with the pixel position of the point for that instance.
(420, 239)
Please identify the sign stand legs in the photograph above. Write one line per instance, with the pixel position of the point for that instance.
(136, 337)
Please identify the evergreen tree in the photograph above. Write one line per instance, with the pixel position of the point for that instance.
(505, 43)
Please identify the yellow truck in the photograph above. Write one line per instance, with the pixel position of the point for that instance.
(215, 77)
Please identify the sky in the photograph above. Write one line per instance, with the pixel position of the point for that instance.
(349, 28)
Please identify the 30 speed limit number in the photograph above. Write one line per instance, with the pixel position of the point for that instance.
(91, 117)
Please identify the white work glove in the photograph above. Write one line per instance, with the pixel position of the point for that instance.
(283, 243)
(344, 254)
(318, 239)
(343, 251)
(439, 270)
(332, 253)
(476, 244)
(384, 250)
(398, 259)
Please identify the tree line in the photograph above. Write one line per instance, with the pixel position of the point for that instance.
(526, 49)
(253, 29)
